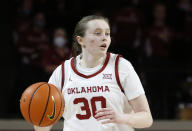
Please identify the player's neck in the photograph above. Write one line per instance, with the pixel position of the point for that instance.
(91, 61)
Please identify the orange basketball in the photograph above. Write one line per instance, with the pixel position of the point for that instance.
(42, 104)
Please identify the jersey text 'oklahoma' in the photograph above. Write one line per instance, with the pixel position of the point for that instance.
(90, 89)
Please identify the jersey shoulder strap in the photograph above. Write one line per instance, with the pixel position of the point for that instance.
(63, 75)
(117, 72)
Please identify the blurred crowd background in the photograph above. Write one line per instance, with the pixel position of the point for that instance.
(155, 36)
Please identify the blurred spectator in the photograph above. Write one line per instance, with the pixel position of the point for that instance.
(33, 41)
(59, 51)
(25, 8)
(21, 26)
(22, 20)
(126, 32)
(159, 36)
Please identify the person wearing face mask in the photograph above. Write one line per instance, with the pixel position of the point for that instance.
(60, 41)
(58, 52)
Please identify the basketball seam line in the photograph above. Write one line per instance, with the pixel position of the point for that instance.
(31, 101)
(45, 106)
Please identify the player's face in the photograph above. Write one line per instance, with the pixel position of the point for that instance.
(97, 37)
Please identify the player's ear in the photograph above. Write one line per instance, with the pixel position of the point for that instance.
(79, 40)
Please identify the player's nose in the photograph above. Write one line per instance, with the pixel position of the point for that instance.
(104, 37)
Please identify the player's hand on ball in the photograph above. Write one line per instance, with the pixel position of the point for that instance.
(110, 116)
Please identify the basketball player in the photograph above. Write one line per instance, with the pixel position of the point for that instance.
(102, 91)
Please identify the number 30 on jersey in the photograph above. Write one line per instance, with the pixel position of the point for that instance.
(86, 107)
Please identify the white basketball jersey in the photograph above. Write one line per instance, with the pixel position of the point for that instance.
(84, 94)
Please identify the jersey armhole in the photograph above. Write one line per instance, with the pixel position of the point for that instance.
(63, 75)
(117, 72)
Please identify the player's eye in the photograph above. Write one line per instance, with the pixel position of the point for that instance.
(107, 34)
(97, 33)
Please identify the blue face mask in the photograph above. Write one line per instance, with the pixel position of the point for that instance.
(60, 41)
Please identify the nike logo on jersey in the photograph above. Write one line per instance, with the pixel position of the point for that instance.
(107, 76)
(54, 110)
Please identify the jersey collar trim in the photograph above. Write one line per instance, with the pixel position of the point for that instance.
(92, 75)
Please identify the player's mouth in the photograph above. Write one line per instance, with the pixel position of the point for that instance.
(103, 46)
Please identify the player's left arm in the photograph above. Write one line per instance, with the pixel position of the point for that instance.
(141, 118)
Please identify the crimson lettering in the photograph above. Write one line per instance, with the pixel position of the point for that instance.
(94, 89)
(90, 89)
(100, 88)
(83, 90)
(106, 88)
